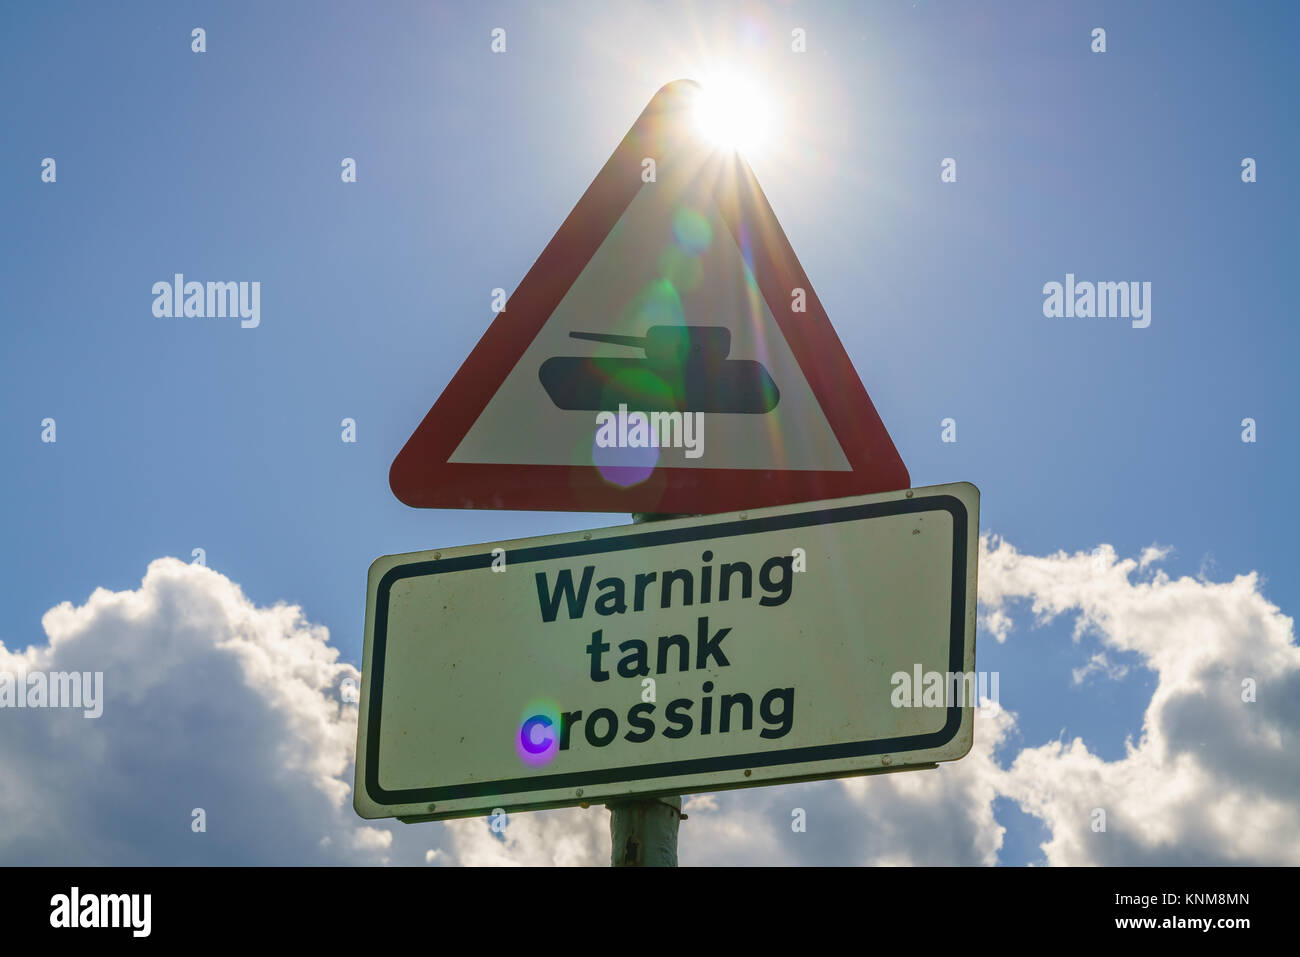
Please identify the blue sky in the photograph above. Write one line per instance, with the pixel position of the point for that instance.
(178, 434)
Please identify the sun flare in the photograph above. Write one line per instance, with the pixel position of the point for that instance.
(732, 113)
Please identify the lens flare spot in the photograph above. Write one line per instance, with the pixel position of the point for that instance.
(625, 448)
(691, 231)
(537, 739)
(625, 467)
(636, 384)
(656, 304)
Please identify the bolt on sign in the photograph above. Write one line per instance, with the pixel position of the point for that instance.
(687, 655)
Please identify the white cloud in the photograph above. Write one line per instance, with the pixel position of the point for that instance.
(210, 702)
(568, 837)
(1154, 553)
(1212, 779)
(1099, 662)
(940, 817)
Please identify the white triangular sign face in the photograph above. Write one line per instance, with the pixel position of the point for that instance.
(643, 267)
(665, 354)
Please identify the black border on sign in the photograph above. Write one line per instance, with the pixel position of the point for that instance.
(642, 539)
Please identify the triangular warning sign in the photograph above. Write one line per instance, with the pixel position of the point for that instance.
(665, 354)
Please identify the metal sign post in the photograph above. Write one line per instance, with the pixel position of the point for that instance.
(644, 833)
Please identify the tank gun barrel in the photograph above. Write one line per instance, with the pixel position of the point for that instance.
(638, 342)
(671, 343)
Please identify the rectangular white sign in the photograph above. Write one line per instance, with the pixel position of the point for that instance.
(671, 657)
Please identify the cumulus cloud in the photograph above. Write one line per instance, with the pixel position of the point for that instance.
(568, 837)
(1099, 662)
(934, 817)
(209, 703)
(1152, 554)
(1214, 777)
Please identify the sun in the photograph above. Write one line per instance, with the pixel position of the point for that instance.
(731, 113)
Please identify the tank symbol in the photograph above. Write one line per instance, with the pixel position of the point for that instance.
(685, 369)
